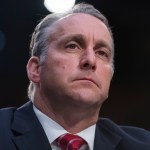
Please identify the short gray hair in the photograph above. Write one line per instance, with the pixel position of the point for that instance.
(40, 37)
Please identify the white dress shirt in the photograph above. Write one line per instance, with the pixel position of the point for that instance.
(53, 130)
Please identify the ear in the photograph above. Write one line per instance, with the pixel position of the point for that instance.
(33, 69)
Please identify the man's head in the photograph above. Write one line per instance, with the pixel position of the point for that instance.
(72, 56)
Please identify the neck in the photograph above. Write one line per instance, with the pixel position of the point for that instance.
(73, 118)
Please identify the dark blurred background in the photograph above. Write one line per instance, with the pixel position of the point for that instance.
(129, 99)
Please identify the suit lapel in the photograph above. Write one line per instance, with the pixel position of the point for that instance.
(105, 139)
(28, 132)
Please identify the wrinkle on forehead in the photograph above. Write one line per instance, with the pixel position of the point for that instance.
(75, 24)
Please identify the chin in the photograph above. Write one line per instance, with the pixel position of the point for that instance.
(90, 95)
(88, 98)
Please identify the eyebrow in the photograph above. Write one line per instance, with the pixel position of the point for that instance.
(103, 43)
(79, 38)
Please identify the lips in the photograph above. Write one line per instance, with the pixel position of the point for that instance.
(87, 79)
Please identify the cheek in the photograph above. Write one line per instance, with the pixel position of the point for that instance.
(106, 72)
(62, 62)
(61, 66)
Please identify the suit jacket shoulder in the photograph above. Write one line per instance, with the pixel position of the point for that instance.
(6, 117)
(121, 137)
(21, 130)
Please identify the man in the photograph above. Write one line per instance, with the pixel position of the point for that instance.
(70, 70)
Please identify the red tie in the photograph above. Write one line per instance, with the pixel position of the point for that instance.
(70, 142)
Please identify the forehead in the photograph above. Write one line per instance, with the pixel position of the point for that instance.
(79, 23)
(79, 20)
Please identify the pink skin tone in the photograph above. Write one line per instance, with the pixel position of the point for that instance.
(74, 80)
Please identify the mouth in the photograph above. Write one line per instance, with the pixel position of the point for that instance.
(87, 79)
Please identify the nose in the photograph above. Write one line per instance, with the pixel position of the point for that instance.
(88, 60)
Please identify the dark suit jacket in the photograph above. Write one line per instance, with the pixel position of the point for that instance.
(21, 130)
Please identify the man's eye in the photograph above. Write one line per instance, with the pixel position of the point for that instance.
(102, 53)
(72, 46)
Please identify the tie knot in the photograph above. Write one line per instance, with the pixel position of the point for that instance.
(70, 142)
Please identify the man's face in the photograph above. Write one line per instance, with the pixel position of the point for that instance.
(78, 66)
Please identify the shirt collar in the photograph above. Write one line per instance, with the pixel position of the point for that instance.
(53, 130)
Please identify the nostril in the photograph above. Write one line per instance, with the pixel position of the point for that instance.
(93, 67)
(86, 65)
